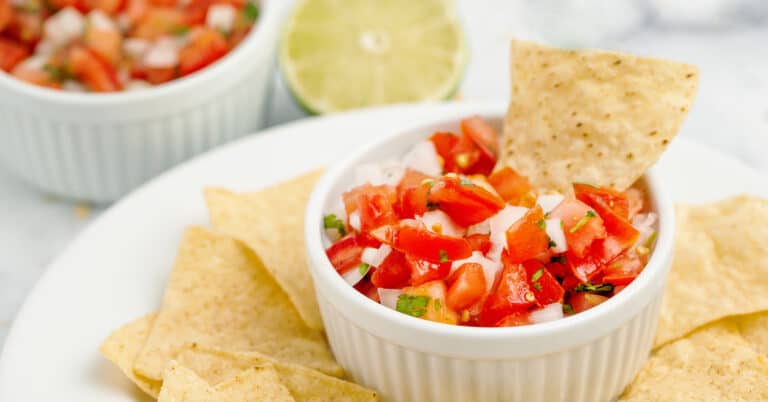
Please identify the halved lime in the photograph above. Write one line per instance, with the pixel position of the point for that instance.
(344, 54)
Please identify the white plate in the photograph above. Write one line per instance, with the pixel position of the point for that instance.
(116, 270)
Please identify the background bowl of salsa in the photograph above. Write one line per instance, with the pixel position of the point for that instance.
(590, 356)
(86, 132)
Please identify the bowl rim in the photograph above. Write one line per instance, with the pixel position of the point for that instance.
(270, 13)
(474, 342)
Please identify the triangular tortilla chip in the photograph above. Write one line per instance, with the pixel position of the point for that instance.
(713, 364)
(720, 266)
(754, 329)
(591, 116)
(253, 384)
(122, 347)
(271, 223)
(220, 294)
(303, 383)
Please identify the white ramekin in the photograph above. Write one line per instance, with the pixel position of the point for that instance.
(98, 147)
(588, 357)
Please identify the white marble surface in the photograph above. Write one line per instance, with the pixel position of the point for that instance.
(731, 112)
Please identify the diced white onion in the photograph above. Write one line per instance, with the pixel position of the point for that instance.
(555, 232)
(123, 22)
(163, 53)
(549, 202)
(137, 85)
(483, 227)
(646, 225)
(221, 16)
(388, 172)
(424, 158)
(353, 276)
(490, 267)
(499, 224)
(64, 26)
(101, 21)
(136, 47)
(72, 86)
(433, 219)
(550, 312)
(354, 220)
(45, 47)
(388, 297)
(375, 256)
(36, 62)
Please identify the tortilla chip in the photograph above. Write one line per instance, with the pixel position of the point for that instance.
(303, 383)
(271, 223)
(254, 384)
(713, 364)
(219, 294)
(754, 329)
(122, 347)
(720, 266)
(591, 116)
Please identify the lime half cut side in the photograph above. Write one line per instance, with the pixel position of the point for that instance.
(343, 54)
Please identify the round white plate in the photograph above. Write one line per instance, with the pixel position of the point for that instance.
(116, 270)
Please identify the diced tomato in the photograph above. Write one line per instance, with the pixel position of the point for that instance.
(614, 200)
(512, 294)
(467, 286)
(163, 3)
(90, 69)
(368, 289)
(582, 301)
(105, 42)
(6, 14)
(544, 285)
(421, 243)
(158, 75)
(393, 272)
(345, 254)
(11, 54)
(557, 268)
(110, 7)
(135, 10)
(622, 270)
(26, 27)
(570, 281)
(424, 271)
(527, 237)
(514, 320)
(375, 205)
(620, 232)
(480, 242)
(483, 135)
(156, 22)
(444, 143)
(584, 268)
(206, 45)
(35, 76)
(581, 225)
(412, 194)
(468, 158)
(618, 289)
(436, 309)
(465, 202)
(80, 5)
(635, 199)
(512, 187)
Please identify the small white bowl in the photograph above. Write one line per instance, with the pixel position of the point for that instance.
(588, 357)
(97, 147)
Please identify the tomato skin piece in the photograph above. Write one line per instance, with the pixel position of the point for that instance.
(205, 47)
(412, 194)
(512, 294)
(444, 143)
(375, 204)
(582, 301)
(466, 286)
(420, 243)
(514, 188)
(614, 200)
(11, 54)
(584, 269)
(394, 272)
(622, 270)
(546, 288)
(579, 234)
(483, 135)
(620, 233)
(526, 239)
(345, 254)
(423, 271)
(94, 72)
(480, 242)
(465, 202)
(467, 158)
(368, 290)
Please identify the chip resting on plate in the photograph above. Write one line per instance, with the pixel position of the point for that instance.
(714, 363)
(219, 294)
(122, 347)
(259, 383)
(304, 384)
(720, 267)
(591, 116)
(271, 223)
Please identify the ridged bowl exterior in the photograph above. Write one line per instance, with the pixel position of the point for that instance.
(84, 149)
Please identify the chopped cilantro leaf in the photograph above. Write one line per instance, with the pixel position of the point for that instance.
(598, 288)
(432, 205)
(537, 275)
(437, 304)
(567, 309)
(558, 258)
(330, 221)
(443, 256)
(412, 305)
(583, 221)
(591, 213)
(651, 239)
(180, 30)
(466, 182)
(541, 224)
(251, 11)
(537, 286)
(58, 73)
(363, 268)
(551, 243)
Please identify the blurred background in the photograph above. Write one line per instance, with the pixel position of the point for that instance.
(727, 39)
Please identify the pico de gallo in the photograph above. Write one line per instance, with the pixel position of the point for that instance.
(444, 235)
(116, 45)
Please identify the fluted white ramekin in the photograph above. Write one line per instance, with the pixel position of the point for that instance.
(98, 147)
(588, 357)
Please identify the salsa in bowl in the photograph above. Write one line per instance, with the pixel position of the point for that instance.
(445, 233)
